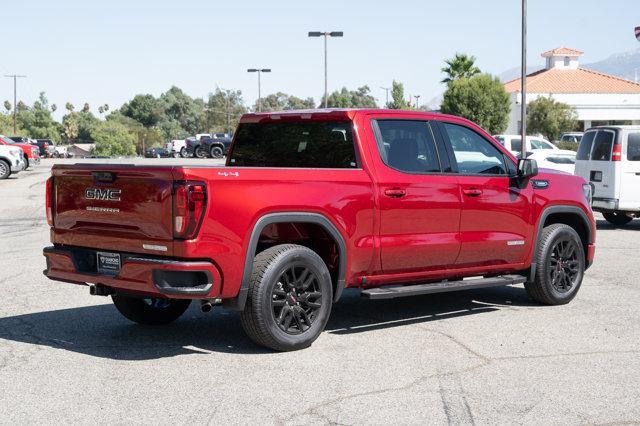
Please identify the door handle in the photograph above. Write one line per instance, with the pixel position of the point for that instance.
(473, 192)
(395, 192)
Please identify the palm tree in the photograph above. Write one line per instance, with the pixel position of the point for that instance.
(461, 66)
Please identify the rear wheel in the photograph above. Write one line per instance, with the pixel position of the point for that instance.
(201, 152)
(183, 152)
(289, 300)
(26, 163)
(150, 311)
(5, 169)
(617, 218)
(560, 264)
(216, 152)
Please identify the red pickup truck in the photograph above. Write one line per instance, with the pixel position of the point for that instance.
(395, 203)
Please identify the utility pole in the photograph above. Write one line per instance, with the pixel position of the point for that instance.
(325, 35)
(259, 71)
(523, 82)
(15, 97)
(417, 99)
(386, 89)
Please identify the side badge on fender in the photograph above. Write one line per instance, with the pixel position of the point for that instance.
(540, 184)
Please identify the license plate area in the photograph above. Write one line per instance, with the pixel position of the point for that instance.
(108, 263)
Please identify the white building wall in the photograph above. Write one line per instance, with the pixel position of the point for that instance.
(588, 106)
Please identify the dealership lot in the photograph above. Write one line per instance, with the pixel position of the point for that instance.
(482, 356)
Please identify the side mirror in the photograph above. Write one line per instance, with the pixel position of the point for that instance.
(527, 167)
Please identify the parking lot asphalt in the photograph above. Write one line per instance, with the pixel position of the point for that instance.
(485, 356)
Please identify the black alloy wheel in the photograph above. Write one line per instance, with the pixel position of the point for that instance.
(564, 265)
(216, 152)
(296, 299)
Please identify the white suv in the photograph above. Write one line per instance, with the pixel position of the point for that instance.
(11, 161)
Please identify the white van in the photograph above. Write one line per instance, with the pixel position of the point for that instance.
(609, 158)
(514, 143)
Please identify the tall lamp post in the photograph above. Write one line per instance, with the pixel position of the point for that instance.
(15, 93)
(259, 71)
(523, 82)
(325, 35)
(386, 90)
(417, 100)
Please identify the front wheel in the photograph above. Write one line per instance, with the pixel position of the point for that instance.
(617, 218)
(289, 300)
(560, 266)
(200, 152)
(5, 169)
(183, 152)
(216, 152)
(150, 311)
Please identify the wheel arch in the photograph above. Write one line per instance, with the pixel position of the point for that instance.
(318, 219)
(572, 216)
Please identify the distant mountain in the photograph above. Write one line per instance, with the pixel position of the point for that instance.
(619, 64)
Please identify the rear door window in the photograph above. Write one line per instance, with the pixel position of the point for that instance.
(633, 146)
(306, 144)
(516, 145)
(407, 146)
(584, 150)
(602, 146)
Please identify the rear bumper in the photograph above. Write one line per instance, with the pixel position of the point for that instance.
(154, 276)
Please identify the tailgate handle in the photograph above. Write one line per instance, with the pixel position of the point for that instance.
(104, 176)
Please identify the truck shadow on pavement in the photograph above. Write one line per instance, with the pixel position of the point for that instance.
(602, 225)
(100, 331)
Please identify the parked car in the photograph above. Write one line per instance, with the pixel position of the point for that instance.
(31, 152)
(214, 147)
(157, 152)
(49, 149)
(177, 147)
(571, 137)
(310, 203)
(11, 160)
(609, 158)
(555, 159)
(514, 143)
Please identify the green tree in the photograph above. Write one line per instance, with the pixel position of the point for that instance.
(184, 109)
(7, 105)
(359, 98)
(281, 102)
(550, 118)
(113, 139)
(460, 66)
(86, 107)
(38, 121)
(77, 127)
(223, 110)
(69, 107)
(145, 109)
(397, 96)
(145, 136)
(481, 99)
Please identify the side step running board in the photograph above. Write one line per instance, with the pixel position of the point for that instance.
(391, 292)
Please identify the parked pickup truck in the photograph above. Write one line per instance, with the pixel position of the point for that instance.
(394, 203)
(11, 161)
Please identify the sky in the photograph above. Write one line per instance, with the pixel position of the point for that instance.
(108, 51)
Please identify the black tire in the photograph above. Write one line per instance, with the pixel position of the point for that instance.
(287, 310)
(200, 152)
(55, 155)
(183, 152)
(151, 311)
(26, 163)
(617, 218)
(216, 152)
(5, 169)
(560, 264)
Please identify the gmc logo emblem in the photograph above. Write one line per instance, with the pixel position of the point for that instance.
(102, 194)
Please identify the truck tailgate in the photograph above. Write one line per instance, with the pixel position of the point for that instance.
(128, 208)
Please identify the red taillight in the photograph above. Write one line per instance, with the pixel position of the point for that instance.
(616, 155)
(189, 204)
(49, 201)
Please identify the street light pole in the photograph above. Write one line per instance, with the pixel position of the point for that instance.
(15, 97)
(523, 82)
(386, 89)
(326, 35)
(259, 71)
(417, 100)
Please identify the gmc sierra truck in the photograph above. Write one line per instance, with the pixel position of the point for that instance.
(394, 203)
